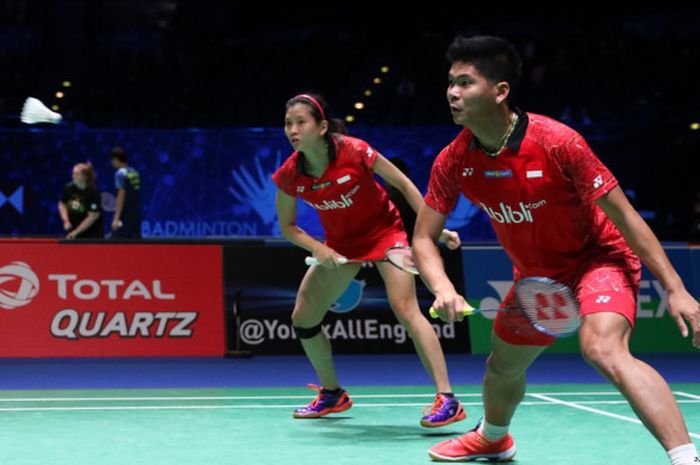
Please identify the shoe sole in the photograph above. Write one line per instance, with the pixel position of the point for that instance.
(459, 417)
(505, 456)
(323, 413)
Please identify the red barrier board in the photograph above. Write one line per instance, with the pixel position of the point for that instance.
(65, 300)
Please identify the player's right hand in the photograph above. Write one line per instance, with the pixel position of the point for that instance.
(67, 226)
(450, 306)
(327, 257)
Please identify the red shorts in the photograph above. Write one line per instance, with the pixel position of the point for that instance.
(374, 249)
(602, 288)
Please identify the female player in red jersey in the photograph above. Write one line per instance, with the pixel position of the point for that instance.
(335, 174)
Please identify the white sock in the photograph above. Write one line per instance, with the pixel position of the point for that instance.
(686, 454)
(493, 432)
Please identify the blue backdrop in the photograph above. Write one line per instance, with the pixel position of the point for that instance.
(195, 182)
(216, 182)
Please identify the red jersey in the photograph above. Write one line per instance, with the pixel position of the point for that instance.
(355, 211)
(540, 194)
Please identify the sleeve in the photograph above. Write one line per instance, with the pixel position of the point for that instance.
(368, 155)
(443, 188)
(284, 180)
(120, 178)
(94, 203)
(590, 177)
(359, 151)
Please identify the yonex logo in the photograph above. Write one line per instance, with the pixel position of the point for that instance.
(18, 285)
(468, 171)
(597, 182)
(300, 189)
(602, 299)
(370, 152)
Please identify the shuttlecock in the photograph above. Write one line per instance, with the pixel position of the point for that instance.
(34, 112)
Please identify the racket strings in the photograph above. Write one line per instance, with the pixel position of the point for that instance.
(402, 258)
(550, 306)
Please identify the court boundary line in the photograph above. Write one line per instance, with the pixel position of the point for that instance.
(687, 394)
(276, 397)
(291, 406)
(578, 406)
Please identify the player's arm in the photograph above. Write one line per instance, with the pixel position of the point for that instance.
(121, 195)
(394, 176)
(429, 225)
(287, 217)
(84, 225)
(63, 211)
(645, 244)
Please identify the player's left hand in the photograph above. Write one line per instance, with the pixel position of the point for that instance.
(684, 308)
(451, 239)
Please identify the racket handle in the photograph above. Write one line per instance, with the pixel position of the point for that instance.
(314, 261)
(468, 311)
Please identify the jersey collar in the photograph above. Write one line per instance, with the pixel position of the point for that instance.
(516, 138)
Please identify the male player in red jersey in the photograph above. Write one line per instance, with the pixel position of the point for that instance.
(558, 212)
(334, 174)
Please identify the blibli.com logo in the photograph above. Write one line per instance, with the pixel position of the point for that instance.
(509, 215)
(344, 202)
(18, 285)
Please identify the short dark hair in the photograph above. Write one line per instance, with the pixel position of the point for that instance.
(120, 154)
(495, 58)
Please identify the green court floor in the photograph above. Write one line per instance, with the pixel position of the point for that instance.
(557, 424)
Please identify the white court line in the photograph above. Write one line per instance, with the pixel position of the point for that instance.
(579, 406)
(687, 394)
(279, 406)
(174, 398)
(182, 398)
(592, 393)
(198, 407)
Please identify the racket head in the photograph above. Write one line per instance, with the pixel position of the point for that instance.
(402, 258)
(550, 307)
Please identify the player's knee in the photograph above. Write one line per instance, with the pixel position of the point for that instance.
(404, 308)
(308, 332)
(604, 355)
(501, 368)
(596, 351)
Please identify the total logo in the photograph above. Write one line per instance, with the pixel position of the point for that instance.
(509, 215)
(18, 285)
